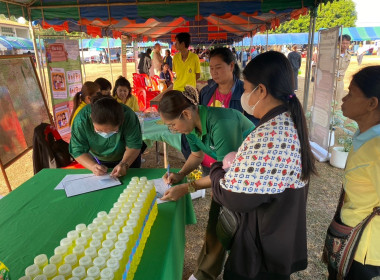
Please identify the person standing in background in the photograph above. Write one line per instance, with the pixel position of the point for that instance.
(168, 59)
(145, 62)
(186, 64)
(156, 61)
(295, 60)
(343, 61)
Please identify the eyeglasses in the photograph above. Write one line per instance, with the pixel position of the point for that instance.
(171, 125)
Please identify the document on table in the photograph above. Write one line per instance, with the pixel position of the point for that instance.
(161, 188)
(84, 183)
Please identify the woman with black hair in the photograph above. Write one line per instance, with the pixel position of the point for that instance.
(361, 181)
(122, 92)
(106, 134)
(267, 183)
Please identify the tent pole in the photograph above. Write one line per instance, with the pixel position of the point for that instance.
(84, 62)
(109, 59)
(313, 17)
(31, 30)
(43, 71)
(266, 47)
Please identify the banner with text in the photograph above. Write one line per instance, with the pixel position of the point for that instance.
(65, 78)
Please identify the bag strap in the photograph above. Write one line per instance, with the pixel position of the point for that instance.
(340, 204)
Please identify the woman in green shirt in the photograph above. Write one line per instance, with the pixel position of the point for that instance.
(104, 135)
(209, 130)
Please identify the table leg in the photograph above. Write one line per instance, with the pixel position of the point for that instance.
(157, 159)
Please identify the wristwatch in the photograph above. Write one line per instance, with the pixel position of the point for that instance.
(191, 187)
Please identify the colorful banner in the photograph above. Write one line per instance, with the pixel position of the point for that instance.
(65, 77)
(323, 92)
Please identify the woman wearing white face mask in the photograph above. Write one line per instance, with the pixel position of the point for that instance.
(104, 135)
(275, 162)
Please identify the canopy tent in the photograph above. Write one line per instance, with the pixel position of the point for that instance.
(9, 43)
(144, 20)
(113, 43)
(363, 33)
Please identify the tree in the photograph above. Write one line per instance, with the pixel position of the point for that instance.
(329, 15)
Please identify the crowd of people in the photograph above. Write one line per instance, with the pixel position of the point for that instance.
(251, 139)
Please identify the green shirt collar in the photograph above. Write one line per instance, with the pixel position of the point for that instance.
(202, 111)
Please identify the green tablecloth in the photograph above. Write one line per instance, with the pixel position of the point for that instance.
(157, 132)
(35, 217)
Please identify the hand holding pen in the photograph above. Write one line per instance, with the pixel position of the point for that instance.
(98, 169)
(172, 178)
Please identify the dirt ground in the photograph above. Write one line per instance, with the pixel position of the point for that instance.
(323, 192)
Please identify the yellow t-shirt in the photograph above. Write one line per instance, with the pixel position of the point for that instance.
(80, 107)
(131, 103)
(361, 182)
(186, 71)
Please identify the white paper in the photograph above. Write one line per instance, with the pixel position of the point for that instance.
(161, 188)
(89, 184)
(70, 178)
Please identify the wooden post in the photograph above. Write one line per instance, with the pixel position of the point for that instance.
(5, 177)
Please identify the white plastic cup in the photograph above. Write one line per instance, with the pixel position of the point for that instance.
(71, 259)
(111, 236)
(97, 221)
(91, 252)
(78, 250)
(117, 254)
(115, 229)
(73, 234)
(81, 227)
(59, 277)
(92, 227)
(61, 250)
(113, 264)
(74, 278)
(97, 236)
(40, 277)
(102, 215)
(104, 253)
(112, 216)
(86, 234)
(93, 272)
(106, 274)
(119, 222)
(121, 245)
(41, 261)
(79, 272)
(96, 244)
(109, 244)
(66, 242)
(56, 259)
(65, 270)
(25, 278)
(100, 262)
(128, 230)
(103, 229)
(32, 271)
(85, 261)
(50, 270)
(81, 241)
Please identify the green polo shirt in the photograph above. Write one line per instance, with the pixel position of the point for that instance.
(223, 131)
(84, 139)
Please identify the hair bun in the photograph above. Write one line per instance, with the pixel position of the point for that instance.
(191, 94)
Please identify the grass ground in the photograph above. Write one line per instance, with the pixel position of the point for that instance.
(323, 192)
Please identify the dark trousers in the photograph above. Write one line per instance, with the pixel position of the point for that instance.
(212, 256)
(135, 164)
(357, 271)
(295, 75)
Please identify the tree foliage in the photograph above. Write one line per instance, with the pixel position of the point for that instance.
(329, 15)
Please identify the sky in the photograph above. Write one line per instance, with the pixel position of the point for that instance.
(368, 13)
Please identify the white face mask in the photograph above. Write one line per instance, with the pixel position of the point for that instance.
(105, 134)
(244, 102)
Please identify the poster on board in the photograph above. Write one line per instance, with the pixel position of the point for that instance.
(323, 92)
(65, 80)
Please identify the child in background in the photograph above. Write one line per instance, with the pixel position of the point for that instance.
(166, 75)
(105, 86)
(122, 92)
(83, 97)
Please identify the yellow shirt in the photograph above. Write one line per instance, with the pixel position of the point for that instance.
(362, 186)
(131, 103)
(186, 71)
(80, 107)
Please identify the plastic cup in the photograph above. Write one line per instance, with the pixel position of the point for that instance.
(93, 272)
(102, 215)
(117, 254)
(103, 229)
(73, 234)
(32, 271)
(65, 270)
(121, 244)
(25, 278)
(88, 278)
(50, 270)
(71, 259)
(127, 230)
(119, 222)
(115, 229)
(107, 274)
(79, 251)
(113, 264)
(81, 227)
(41, 261)
(91, 252)
(59, 277)
(92, 227)
(66, 242)
(56, 259)
(81, 241)
(104, 253)
(112, 216)
(111, 236)
(96, 244)
(86, 234)
(79, 272)
(74, 278)
(40, 277)
(85, 261)
(97, 221)
(109, 244)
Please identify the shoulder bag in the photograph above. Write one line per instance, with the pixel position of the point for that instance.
(342, 241)
(226, 227)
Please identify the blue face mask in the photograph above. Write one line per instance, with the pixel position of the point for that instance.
(105, 134)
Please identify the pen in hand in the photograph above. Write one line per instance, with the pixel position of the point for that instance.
(168, 172)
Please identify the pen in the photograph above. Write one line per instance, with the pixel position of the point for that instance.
(97, 160)
(168, 171)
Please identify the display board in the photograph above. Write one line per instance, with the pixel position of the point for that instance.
(324, 86)
(22, 106)
(65, 78)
